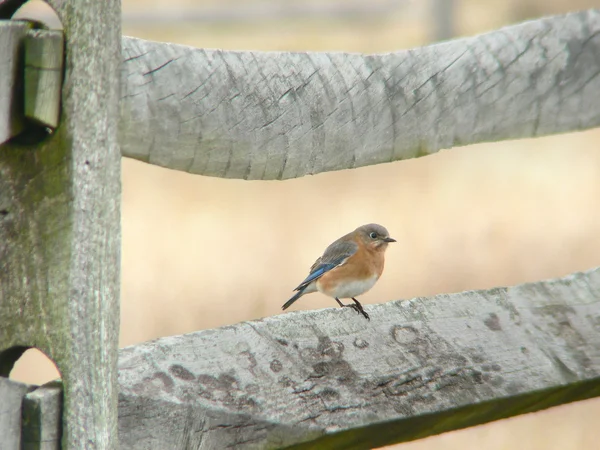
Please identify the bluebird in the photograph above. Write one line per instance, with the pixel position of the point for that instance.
(348, 268)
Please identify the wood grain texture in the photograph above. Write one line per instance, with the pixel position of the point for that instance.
(11, 400)
(60, 231)
(43, 76)
(325, 379)
(279, 115)
(330, 379)
(12, 35)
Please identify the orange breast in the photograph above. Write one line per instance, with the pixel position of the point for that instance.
(355, 277)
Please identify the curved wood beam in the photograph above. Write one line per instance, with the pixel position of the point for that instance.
(279, 115)
(330, 379)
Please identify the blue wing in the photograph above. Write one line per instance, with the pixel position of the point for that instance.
(335, 255)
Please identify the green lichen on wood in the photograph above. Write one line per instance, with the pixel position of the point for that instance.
(36, 232)
(59, 231)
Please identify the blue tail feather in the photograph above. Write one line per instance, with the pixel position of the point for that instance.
(296, 296)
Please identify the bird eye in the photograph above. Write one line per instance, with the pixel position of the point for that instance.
(372, 235)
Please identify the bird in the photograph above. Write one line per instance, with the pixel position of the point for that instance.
(348, 268)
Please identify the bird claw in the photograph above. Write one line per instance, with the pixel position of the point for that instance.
(358, 308)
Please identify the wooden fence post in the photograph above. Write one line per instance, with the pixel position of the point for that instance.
(60, 229)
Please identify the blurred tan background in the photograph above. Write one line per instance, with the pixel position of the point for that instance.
(201, 252)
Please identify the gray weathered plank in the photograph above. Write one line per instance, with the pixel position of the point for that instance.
(330, 379)
(12, 35)
(43, 76)
(11, 400)
(421, 367)
(280, 115)
(42, 409)
(60, 230)
(30, 86)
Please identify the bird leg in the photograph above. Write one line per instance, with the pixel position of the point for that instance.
(356, 306)
(360, 309)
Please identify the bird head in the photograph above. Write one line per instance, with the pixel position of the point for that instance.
(375, 236)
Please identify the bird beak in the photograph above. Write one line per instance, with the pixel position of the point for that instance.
(389, 239)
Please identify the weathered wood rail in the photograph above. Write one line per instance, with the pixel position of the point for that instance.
(318, 379)
(279, 115)
(326, 379)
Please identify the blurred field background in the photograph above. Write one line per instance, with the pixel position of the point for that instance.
(201, 252)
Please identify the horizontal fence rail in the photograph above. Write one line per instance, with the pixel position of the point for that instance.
(327, 379)
(11, 103)
(31, 70)
(279, 115)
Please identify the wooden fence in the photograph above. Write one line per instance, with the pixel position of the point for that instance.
(315, 379)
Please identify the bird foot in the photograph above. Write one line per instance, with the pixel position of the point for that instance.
(358, 308)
